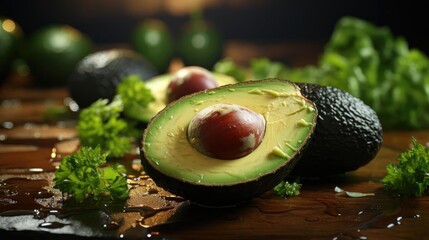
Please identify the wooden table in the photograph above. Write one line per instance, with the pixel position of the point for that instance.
(31, 147)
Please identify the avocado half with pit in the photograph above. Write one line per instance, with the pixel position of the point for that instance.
(224, 146)
(158, 86)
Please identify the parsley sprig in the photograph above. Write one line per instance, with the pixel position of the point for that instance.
(104, 124)
(410, 175)
(287, 189)
(101, 125)
(133, 91)
(83, 174)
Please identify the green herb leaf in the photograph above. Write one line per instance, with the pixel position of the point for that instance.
(410, 175)
(370, 63)
(286, 189)
(133, 91)
(82, 175)
(228, 67)
(101, 124)
(265, 68)
(135, 97)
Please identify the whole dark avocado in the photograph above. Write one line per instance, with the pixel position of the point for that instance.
(348, 133)
(97, 75)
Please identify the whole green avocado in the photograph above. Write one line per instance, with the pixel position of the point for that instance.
(348, 133)
(53, 51)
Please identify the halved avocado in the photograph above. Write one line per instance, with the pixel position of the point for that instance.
(170, 159)
(158, 86)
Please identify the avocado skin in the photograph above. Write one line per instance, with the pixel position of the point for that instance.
(348, 133)
(97, 75)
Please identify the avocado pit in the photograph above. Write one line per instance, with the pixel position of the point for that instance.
(226, 131)
(189, 80)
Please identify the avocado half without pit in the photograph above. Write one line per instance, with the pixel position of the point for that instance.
(224, 146)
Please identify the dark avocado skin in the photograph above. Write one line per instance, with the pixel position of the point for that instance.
(90, 82)
(348, 133)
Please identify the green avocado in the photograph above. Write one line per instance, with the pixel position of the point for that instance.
(169, 156)
(98, 74)
(152, 38)
(348, 134)
(200, 43)
(11, 42)
(53, 51)
(158, 86)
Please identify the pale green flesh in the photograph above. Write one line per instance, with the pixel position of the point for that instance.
(158, 85)
(284, 109)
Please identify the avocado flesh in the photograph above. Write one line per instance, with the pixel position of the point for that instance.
(348, 134)
(170, 160)
(158, 86)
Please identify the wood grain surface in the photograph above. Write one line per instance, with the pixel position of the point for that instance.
(31, 147)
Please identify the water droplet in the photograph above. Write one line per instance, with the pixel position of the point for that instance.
(44, 194)
(152, 190)
(146, 211)
(332, 210)
(9, 103)
(7, 125)
(7, 201)
(312, 219)
(111, 225)
(9, 190)
(391, 225)
(52, 225)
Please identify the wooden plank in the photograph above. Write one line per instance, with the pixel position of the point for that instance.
(27, 164)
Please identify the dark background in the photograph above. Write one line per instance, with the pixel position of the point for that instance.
(111, 22)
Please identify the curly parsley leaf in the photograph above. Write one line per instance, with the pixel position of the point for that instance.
(287, 189)
(133, 91)
(101, 124)
(136, 97)
(410, 175)
(372, 64)
(82, 175)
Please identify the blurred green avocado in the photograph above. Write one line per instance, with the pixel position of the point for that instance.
(11, 39)
(97, 75)
(53, 51)
(200, 43)
(153, 39)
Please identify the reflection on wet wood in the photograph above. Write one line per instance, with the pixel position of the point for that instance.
(30, 152)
